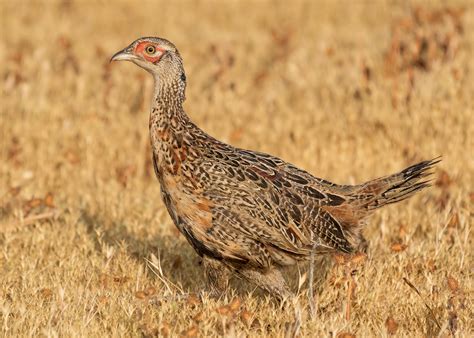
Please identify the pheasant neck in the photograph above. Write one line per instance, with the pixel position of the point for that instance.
(169, 124)
(167, 104)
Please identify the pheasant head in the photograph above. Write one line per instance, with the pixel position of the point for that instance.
(160, 58)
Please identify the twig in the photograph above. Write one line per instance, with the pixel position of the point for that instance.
(155, 266)
(296, 326)
(426, 304)
(33, 219)
(350, 291)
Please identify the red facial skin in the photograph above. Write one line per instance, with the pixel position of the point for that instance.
(140, 50)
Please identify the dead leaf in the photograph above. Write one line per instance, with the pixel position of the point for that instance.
(471, 196)
(46, 293)
(391, 326)
(454, 220)
(193, 300)
(443, 199)
(223, 310)
(140, 295)
(358, 258)
(256, 325)
(246, 318)
(49, 200)
(236, 135)
(193, 331)
(345, 335)
(453, 322)
(124, 173)
(199, 317)
(431, 265)
(423, 38)
(453, 284)
(121, 280)
(72, 157)
(398, 247)
(34, 202)
(165, 329)
(402, 230)
(150, 291)
(234, 306)
(443, 180)
(340, 259)
(14, 191)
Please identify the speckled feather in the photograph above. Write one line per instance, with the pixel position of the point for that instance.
(246, 208)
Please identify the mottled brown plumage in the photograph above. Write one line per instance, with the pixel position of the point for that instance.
(245, 211)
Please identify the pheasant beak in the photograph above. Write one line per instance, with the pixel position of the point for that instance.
(124, 55)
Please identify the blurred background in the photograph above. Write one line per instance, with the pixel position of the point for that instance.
(347, 90)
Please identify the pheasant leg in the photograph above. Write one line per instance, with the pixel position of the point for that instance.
(217, 275)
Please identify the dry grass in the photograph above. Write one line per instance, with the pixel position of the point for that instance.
(87, 248)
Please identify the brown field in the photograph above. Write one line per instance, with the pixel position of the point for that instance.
(87, 247)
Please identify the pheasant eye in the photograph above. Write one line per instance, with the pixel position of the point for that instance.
(150, 49)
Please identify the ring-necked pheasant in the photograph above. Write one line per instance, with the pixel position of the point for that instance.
(246, 211)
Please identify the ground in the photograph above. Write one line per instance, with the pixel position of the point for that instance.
(348, 91)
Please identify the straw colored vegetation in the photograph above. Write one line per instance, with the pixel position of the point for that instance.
(346, 90)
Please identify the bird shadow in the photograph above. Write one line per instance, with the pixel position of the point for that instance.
(178, 261)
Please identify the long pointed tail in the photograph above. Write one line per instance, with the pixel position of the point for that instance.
(400, 186)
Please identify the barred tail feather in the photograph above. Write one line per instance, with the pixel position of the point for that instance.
(400, 186)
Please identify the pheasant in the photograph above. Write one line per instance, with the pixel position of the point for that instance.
(246, 212)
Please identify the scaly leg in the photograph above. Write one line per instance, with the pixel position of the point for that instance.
(217, 275)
